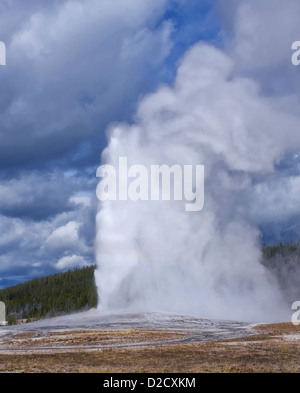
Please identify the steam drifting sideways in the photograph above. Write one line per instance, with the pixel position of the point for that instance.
(155, 256)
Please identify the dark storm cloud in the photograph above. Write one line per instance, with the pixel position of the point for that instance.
(71, 68)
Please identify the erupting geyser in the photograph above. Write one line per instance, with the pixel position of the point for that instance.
(154, 255)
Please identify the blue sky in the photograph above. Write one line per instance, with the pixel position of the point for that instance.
(75, 67)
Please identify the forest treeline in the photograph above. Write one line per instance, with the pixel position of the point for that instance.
(283, 262)
(50, 296)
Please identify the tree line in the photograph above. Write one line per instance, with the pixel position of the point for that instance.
(57, 294)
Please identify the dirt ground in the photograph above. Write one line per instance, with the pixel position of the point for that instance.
(272, 348)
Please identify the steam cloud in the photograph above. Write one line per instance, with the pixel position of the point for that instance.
(154, 256)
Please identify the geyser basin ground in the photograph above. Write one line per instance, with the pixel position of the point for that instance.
(147, 342)
(192, 329)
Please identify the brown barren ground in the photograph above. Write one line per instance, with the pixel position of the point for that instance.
(275, 348)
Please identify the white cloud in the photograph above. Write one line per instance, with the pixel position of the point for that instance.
(27, 244)
(64, 237)
(71, 261)
(275, 200)
(84, 200)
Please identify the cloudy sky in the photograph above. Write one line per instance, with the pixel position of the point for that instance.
(74, 67)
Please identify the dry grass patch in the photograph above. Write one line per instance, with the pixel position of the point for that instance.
(260, 356)
(278, 328)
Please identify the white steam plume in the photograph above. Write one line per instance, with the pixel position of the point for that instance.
(155, 256)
